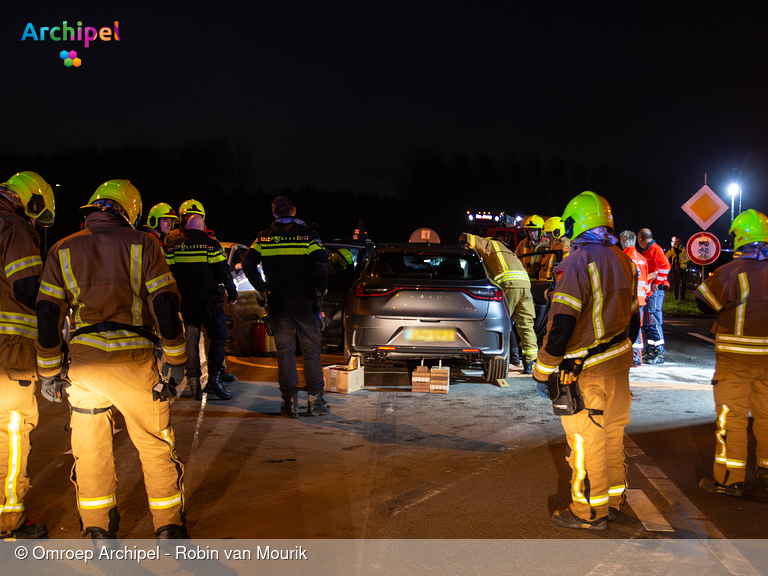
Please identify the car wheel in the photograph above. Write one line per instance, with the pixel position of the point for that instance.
(496, 368)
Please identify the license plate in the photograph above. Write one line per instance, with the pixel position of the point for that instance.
(430, 334)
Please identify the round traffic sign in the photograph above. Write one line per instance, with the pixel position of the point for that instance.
(703, 248)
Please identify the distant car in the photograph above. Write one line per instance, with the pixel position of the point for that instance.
(428, 301)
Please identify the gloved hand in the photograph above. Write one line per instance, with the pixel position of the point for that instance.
(463, 238)
(53, 388)
(172, 374)
(541, 388)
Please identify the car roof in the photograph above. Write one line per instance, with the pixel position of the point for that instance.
(419, 248)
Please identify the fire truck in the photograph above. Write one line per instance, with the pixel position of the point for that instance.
(500, 225)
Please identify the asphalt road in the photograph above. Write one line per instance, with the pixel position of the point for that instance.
(480, 462)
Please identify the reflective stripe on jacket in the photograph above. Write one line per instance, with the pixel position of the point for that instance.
(738, 293)
(502, 263)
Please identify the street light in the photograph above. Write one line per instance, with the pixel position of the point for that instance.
(734, 189)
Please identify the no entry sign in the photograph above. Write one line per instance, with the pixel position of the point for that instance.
(703, 248)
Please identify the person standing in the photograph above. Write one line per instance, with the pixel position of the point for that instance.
(737, 293)
(160, 221)
(115, 280)
(554, 235)
(628, 239)
(25, 199)
(507, 270)
(295, 265)
(658, 270)
(592, 322)
(532, 243)
(199, 266)
(678, 260)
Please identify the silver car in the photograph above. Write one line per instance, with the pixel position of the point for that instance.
(432, 302)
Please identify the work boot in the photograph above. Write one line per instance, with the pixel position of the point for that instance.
(528, 369)
(99, 533)
(290, 406)
(658, 358)
(613, 513)
(226, 377)
(27, 531)
(316, 405)
(567, 519)
(214, 387)
(172, 532)
(762, 477)
(194, 387)
(649, 354)
(514, 357)
(712, 485)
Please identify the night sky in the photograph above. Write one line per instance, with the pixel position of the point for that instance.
(346, 97)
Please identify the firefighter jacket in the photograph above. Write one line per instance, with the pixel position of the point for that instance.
(738, 293)
(677, 256)
(19, 280)
(293, 259)
(658, 265)
(594, 303)
(107, 272)
(643, 287)
(533, 263)
(550, 261)
(501, 261)
(199, 265)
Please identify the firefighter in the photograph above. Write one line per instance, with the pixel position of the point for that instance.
(678, 261)
(296, 269)
(534, 242)
(510, 274)
(658, 270)
(25, 200)
(738, 294)
(593, 321)
(628, 239)
(160, 221)
(116, 282)
(554, 234)
(199, 266)
(187, 209)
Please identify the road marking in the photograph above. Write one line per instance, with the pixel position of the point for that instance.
(650, 471)
(702, 337)
(698, 523)
(632, 452)
(195, 438)
(646, 512)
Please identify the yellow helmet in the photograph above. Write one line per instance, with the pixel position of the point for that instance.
(36, 196)
(158, 211)
(555, 225)
(533, 222)
(192, 206)
(584, 212)
(747, 227)
(116, 194)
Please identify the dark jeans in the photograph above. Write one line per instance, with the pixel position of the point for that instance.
(677, 281)
(297, 319)
(216, 328)
(653, 322)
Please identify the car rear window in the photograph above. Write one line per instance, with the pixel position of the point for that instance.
(426, 265)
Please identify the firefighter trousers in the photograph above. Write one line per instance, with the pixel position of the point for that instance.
(128, 388)
(18, 417)
(738, 390)
(595, 450)
(520, 303)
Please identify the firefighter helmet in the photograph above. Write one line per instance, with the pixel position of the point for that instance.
(533, 222)
(35, 195)
(749, 226)
(555, 225)
(190, 207)
(586, 211)
(158, 211)
(116, 194)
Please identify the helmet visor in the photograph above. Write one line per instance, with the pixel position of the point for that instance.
(37, 210)
(568, 224)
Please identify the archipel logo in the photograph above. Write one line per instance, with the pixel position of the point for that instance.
(67, 33)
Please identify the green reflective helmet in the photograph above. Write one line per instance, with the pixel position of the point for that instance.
(36, 196)
(556, 226)
(584, 212)
(190, 207)
(747, 227)
(158, 211)
(117, 194)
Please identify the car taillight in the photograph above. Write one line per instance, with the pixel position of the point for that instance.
(362, 291)
(490, 293)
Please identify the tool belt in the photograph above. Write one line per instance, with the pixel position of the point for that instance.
(563, 386)
(109, 326)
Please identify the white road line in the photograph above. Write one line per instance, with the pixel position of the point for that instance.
(632, 452)
(195, 438)
(646, 512)
(698, 523)
(702, 337)
(629, 442)
(650, 471)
